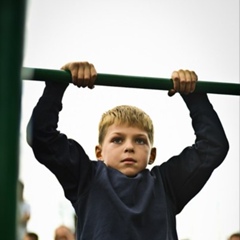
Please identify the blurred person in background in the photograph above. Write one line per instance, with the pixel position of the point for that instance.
(234, 236)
(30, 236)
(23, 212)
(64, 233)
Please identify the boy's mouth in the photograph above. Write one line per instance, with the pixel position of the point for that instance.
(129, 161)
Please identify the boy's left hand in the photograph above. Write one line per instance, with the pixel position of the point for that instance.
(184, 82)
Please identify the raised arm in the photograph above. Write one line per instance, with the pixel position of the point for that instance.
(185, 175)
(63, 156)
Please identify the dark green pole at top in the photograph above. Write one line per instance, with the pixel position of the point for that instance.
(12, 22)
(113, 80)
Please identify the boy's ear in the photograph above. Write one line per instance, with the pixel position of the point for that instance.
(98, 152)
(153, 155)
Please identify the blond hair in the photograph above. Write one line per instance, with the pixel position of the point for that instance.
(125, 114)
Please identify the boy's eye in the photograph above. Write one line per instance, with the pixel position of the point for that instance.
(140, 141)
(117, 140)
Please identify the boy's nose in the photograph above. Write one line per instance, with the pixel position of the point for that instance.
(129, 147)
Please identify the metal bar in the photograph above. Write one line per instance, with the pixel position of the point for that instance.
(12, 18)
(129, 81)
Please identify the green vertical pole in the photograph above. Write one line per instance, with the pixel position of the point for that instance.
(12, 22)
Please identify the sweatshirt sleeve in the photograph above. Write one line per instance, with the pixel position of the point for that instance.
(185, 175)
(62, 156)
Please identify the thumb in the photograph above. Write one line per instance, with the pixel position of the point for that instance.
(171, 92)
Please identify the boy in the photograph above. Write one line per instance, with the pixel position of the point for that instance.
(116, 197)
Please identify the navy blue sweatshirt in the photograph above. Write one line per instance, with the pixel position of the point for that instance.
(112, 206)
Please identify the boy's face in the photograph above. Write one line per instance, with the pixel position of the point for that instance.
(126, 149)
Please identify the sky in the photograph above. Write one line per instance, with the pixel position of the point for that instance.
(140, 38)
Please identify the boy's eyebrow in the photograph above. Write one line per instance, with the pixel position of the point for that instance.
(137, 135)
(141, 135)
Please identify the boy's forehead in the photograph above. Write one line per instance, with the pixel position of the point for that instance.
(125, 128)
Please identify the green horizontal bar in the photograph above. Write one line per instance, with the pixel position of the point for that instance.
(129, 81)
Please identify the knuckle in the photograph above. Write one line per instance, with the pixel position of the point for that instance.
(183, 80)
(85, 64)
(73, 65)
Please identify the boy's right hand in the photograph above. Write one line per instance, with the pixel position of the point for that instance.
(83, 74)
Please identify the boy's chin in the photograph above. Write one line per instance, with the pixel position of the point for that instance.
(130, 173)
